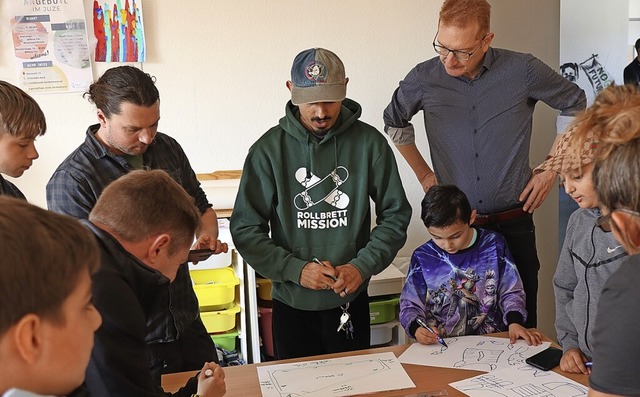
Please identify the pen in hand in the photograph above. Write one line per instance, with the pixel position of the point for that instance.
(423, 325)
(316, 260)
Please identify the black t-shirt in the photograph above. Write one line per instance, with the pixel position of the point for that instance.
(615, 343)
(632, 73)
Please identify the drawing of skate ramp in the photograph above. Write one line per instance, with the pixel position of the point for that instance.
(478, 353)
(520, 382)
(344, 376)
(324, 189)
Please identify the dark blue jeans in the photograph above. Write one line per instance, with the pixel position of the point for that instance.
(520, 234)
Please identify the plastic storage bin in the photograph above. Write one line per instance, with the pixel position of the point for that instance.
(220, 320)
(264, 321)
(226, 340)
(382, 334)
(383, 309)
(264, 288)
(215, 288)
(264, 292)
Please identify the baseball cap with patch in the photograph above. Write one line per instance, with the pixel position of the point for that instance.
(570, 154)
(317, 75)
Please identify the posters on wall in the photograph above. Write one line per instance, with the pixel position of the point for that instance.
(50, 45)
(119, 29)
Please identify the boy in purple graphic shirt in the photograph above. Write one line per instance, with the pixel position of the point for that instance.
(463, 281)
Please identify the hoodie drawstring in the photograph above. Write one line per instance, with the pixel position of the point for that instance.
(308, 158)
(310, 155)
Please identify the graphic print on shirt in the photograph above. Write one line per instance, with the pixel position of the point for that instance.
(318, 190)
(463, 301)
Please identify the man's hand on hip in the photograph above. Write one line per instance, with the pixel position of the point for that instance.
(537, 190)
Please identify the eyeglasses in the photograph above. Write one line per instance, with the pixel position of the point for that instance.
(604, 222)
(460, 55)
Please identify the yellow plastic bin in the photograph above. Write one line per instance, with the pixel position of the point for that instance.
(220, 320)
(215, 288)
(264, 292)
(383, 309)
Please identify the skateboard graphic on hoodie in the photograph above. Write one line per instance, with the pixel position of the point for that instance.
(318, 190)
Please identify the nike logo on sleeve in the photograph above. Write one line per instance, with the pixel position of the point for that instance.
(612, 250)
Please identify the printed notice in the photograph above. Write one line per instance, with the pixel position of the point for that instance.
(50, 45)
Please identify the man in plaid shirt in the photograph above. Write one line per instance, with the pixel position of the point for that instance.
(127, 138)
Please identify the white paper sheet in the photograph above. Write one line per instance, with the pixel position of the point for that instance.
(520, 381)
(344, 376)
(479, 353)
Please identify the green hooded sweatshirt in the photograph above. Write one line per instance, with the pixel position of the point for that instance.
(301, 197)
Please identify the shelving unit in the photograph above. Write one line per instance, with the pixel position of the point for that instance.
(221, 188)
(389, 282)
(233, 260)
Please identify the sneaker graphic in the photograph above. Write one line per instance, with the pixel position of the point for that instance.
(318, 190)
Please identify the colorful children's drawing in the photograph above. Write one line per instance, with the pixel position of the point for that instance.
(119, 31)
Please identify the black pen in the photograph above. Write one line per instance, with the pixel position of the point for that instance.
(423, 325)
(316, 260)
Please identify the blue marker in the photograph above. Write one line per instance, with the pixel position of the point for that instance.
(423, 325)
(588, 364)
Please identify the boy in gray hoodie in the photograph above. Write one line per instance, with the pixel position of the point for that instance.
(589, 255)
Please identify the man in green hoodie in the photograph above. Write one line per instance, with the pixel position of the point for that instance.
(302, 216)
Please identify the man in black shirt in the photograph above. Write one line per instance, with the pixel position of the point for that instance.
(632, 71)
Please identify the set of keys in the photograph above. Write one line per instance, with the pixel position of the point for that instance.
(345, 322)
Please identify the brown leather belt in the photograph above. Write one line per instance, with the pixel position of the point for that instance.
(483, 219)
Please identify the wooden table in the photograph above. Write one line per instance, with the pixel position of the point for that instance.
(242, 381)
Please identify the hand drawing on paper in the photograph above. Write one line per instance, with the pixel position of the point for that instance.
(334, 377)
(441, 349)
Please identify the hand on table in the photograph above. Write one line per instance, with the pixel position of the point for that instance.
(517, 331)
(573, 362)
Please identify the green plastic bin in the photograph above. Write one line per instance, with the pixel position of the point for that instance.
(383, 309)
(226, 340)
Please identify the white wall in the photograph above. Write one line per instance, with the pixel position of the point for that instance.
(590, 27)
(221, 68)
(634, 26)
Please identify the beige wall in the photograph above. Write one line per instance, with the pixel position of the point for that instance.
(221, 68)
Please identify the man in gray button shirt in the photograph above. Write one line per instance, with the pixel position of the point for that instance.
(478, 105)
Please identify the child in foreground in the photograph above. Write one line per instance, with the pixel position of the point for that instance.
(463, 281)
(21, 121)
(47, 320)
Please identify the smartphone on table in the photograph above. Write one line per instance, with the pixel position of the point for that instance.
(546, 359)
